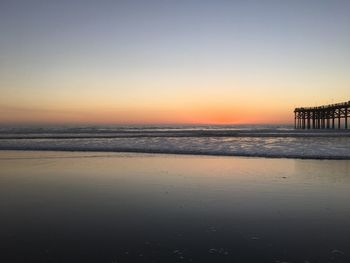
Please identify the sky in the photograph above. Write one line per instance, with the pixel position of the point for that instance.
(171, 61)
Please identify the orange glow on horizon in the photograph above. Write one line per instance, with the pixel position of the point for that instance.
(191, 115)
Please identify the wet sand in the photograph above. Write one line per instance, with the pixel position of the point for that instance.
(105, 207)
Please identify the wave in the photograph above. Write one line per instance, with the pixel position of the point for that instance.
(337, 147)
(172, 133)
(148, 151)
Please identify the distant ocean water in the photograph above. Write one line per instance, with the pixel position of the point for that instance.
(231, 140)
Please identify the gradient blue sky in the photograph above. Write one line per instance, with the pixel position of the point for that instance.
(171, 61)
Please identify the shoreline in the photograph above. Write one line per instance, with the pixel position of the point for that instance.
(335, 158)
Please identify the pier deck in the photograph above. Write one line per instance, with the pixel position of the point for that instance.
(323, 117)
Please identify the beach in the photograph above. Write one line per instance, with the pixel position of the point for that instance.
(136, 207)
(174, 131)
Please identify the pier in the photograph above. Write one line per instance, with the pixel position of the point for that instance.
(323, 117)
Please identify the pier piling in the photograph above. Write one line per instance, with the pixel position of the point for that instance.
(322, 117)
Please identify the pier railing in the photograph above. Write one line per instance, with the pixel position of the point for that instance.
(322, 117)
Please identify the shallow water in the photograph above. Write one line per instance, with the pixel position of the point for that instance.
(117, 207)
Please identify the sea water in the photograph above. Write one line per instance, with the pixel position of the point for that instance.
(230, 140)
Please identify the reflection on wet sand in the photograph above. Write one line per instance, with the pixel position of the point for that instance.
(98, 207)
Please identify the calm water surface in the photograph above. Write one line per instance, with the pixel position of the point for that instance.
(100, 207)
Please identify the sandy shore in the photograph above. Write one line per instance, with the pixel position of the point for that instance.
(116, 207)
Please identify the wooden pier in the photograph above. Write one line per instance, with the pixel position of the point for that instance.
(323, 117)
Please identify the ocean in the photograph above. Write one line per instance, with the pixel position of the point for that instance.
(231, 140)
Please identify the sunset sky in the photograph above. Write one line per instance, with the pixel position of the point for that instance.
(171, 61)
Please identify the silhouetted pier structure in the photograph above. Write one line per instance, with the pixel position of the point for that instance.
(322, 117)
